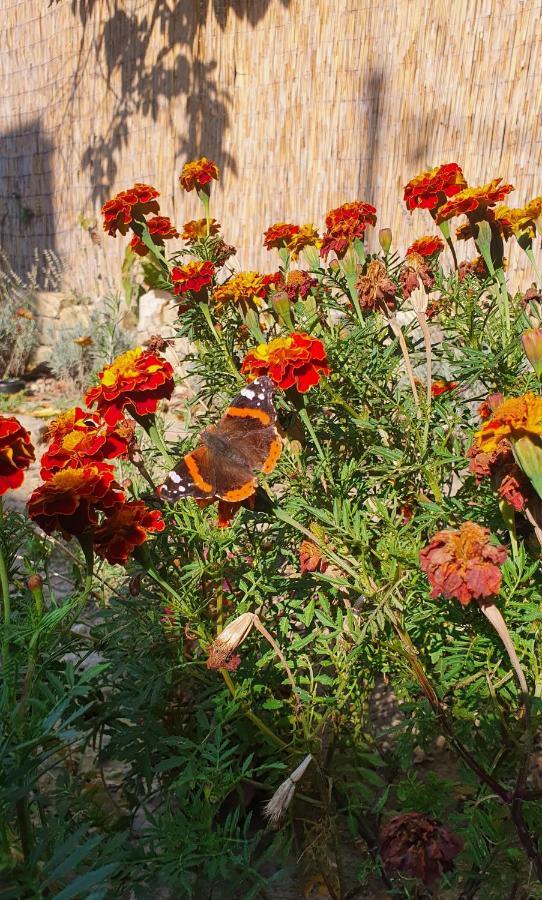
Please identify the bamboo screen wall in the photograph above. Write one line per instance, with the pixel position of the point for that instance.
(305, 104)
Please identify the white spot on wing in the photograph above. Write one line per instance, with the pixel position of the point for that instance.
(174, 477)
(246, 392)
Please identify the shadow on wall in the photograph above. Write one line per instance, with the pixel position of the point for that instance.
(149, 78)
(26, 187)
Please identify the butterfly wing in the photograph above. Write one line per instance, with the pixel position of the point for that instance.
(194, 477)
(249, 426)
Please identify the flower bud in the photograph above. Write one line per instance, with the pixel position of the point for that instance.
(34, 583)
(385, 238)
(532, 346)
(281, 305)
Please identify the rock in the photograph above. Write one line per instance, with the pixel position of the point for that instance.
(157, 315)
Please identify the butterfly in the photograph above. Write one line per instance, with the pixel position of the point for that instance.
(223, 465)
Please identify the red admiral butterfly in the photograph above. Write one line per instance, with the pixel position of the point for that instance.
(244, 441)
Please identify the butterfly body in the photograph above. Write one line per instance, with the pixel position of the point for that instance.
(224, 463)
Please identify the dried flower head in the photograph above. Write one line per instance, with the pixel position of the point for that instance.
(462, 564)
(16, 453)
(229, 640)
(489, 405)
(135, 381)
(199, 173)
(297, 360)
(376, 290)
(415, 273)
(310, 558)
(283, 796)
(418, 846)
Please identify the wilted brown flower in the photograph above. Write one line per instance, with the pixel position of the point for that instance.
(310, 558)
(376, 290)
(418, 846)
(463, 564)
(416, 272)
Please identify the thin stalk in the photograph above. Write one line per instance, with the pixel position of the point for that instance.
(159, 443)
(219, 340)
(261, 726)
(340, 562)
(396, 328)
(338, 399)
(530, 255)
(422, 322)
(304, 416)
(494, 617)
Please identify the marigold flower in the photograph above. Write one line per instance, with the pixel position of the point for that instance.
(126, 528)
(474, 201)
(134, 381)
(376, 290)
(278, 235)
(489, 405)
(299, 360)
(441, 386)
(196, 229)
(16, 453)
(505, 474)
(463, 564)
(428, 245)
(431, 189)
(160, 229)
(135, 203)
(310, 558)
(418, 847)
(305, 236)
(519, 221)
(345, 224)
(532, 347)
(515, 418)
(415, 273)
(68, 502)
(245, 289)
(298, 284)
(78, 437)
(475, 267)
(193, 276)
(198, 174)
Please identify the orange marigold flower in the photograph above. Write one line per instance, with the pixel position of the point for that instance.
(376, 290)
(16, 453)
(440, 386)
(192, 277)
(135, 203)
(476, 200)
(517, 221)
(134, 381)
(245, 289)
(418, 847)
(345, 224)
(463, 564)
(489, 405)
(513, 419)
(160, 229)
(428, 245)
(310, 558)
(293, 238)
(198, 174)
(78, 437)
(68, 502)
(196, 229)
(278, 235)
(305, 236)
(299, 360)
(126, 528)
(431, 189)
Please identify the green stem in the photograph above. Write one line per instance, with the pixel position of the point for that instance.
(338, 399)
(304, 416)
(204, 197)
(6, 605)
(329, 554)
(530, 255)
(445, 229)
(261, 726)
(160, 444)
(220, 341)
(25, 827)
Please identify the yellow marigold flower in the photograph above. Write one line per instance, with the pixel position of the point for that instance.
(307, 236)
(515, 418)
(245, 289)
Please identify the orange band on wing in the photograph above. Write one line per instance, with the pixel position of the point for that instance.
(272, 457)
(195, 474)
(239, 494)
(245, 412)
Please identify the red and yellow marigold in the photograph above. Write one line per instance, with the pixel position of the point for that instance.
(16, 453)
(136, 381)
(293, 238)
(196, 229)
(513, 419)
(462, 564)
(125, 528)
(245, 289)
(194, 276)
(431, 189)
(198, 173)
(70, 500)
(428, 245)
(78, 437)
(441, 386)
(135, 203)
(160, 230)
(474, 202)
(346, 224)
(297, 360)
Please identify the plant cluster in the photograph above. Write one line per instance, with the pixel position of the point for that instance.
(199, 713)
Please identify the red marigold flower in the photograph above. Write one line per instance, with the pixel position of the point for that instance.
(68, 502)
(135, 203)
(463, 564)
(198, 173)
(160, 229)
(278, 235)
(416, 270)
(78, 437)
(16, 453)
(489, 405)
(344, 224)
(298, 284)
(193, 276)
(474, 201)
(134, 381)
(441, 386)
(432, 188)
(126, 528)
(428, 245)
(196, 229)
(299, 360)
(418, 847)
(376, 290)
(310, 558)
